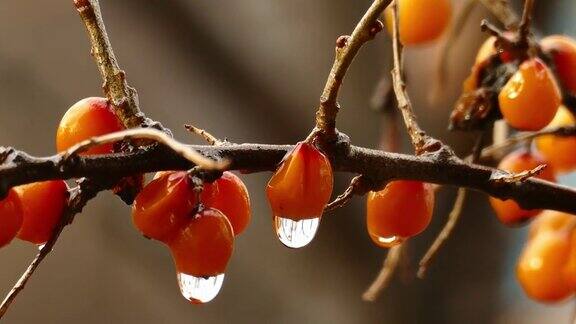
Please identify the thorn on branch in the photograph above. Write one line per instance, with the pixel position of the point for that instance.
(209, 138)
(507, 178)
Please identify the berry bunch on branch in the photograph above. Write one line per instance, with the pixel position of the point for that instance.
(196, 206)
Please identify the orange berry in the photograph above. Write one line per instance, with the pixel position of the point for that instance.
(421, 21)
(43, 204)
(540, 267)
(508, 211)
(163, 206)
(559, 150)
(10, 217)
(569, 270)
(204, 245)
(302, 186)
(85, 119)
(563, 51)
(229, 195)
(550, 221)
(403, 209)
(487, 49)
(530, 99)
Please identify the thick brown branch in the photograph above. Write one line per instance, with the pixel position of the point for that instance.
(376, 166)
(346, 49)
(124, 97)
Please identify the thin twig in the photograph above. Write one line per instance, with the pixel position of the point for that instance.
(78, 198)
(453, 218)
(527, 137)
(151, 134)
(356, 187)
(346, 49)
(209, 138)
(524, 28)
(122, 95)
(389, 267)
(422, 142)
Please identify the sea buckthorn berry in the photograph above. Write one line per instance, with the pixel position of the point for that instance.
(550, 221)
(10, 217)
(560, 151)
(563, 51)
(541, 265)
(421, 21)
(488, 49)
(298, 193)
(399, 211)
(508, 211)
(530, 99)
(43, 204)
(163, 206)
(229, 195)
(570, 266)
(85, 119)
(201, 251)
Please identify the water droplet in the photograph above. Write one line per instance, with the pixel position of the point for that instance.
(41, 246)
(199, 290)
(296, 234)
(387, 242)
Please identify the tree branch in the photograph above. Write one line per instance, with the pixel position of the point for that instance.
(122, 96)
(346, 49)
(502, 11)
(376, 166)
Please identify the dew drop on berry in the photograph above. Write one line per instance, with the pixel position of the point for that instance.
(199, 290)
(41, 246)
(296, 234)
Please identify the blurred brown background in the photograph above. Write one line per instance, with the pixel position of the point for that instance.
(251, 71)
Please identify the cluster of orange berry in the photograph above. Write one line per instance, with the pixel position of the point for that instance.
(531, 99)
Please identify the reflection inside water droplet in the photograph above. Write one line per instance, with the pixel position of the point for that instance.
(199, 290)
(387, 242)
(41, 246)
(296, 234)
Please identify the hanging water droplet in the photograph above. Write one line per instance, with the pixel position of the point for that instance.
(199, 290)
(387, 242)
(41, 246)
(296, 234)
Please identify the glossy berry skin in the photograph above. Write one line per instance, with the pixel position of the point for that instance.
(302, 186)
(164, 206)
(43, 204)
(559, 151)
(203, 247)
(85, 119)
(569, 270)
(229, 195)
(10, 217)
(563, 51)
(508, 211)
(421, 21)
(530, 99)
(541, 265)
(403, 209)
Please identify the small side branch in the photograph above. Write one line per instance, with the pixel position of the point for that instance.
(346, 49)
(502, 11)
(78, 198)
(500, 179)
(209, 138)
(122, 96)
(422, 142)
(386, 273)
